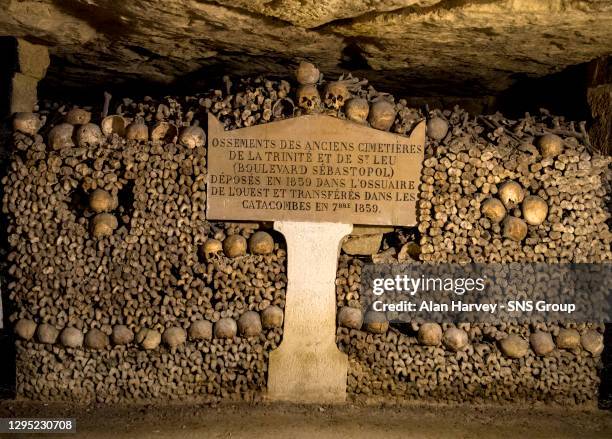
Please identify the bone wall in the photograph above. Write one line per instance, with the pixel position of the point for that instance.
(156, 303)
(465, 168)
(122, 290)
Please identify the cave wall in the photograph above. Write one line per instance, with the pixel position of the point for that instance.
(123, 293)
(474, 361)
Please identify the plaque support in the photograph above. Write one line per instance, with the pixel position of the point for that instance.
(308, 367)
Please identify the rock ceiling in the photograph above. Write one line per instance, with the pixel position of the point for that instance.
(459, 47)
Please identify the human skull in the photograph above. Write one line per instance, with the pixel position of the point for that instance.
(437, 128)
(201, 330)
(78, 116)
(357, 110)
(102, 201)
(261, 243)
(122, 335)
(113, 125)
(96, 339)
(210, 248)
(60, 136)
(249, 324)
(376, 322)
(350, 317)
(382, 115)
(174, 336)
(534, 209)
(103, 224)
(550, 145)
(307, 73)
(235, 246)
(455, 339)
(192, 137)
(515, 228)
(511, 193)
(225, 328)
(308, 97)
(164, 132)
(148, 338)
(137, 131)
(593, 342)
(89, 134)
(430, 334)
(272, 317)
(336, 95)
(71, 337)
(541, 343)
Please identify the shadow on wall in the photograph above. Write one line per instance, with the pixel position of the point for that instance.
(605, 388)
(563, 93)
(7, 345)
(7, 365)
(9, 65)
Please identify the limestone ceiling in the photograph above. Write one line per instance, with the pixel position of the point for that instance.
(420, 47)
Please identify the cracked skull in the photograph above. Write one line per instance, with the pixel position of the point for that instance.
(336, 95)
(210, 248)
(308, 97)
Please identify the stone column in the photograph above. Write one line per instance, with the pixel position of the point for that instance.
(308, 367)
(26, 65)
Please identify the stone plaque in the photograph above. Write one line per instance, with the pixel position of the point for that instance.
(313, 168)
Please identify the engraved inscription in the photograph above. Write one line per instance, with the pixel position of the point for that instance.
(313, 168)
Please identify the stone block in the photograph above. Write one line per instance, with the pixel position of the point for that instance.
(363, 245)
(33, 59)
(371, 230)
(23, 93)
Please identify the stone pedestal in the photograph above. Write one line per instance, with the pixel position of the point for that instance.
(308, 367)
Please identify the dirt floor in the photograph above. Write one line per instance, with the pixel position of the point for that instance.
(351, 421)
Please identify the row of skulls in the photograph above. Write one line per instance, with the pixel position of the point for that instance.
(77, 129)
(337, 96)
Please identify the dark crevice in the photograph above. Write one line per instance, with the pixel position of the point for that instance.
(77, 202)
(144, 52)
(126, 198)
(8, 356)
(8, 373)
(562, 93)
(353, 58)
(267, 18)
(102, 19)
(605, 387)
(403, 328)
(404, 10)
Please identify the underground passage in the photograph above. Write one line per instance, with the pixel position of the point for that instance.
(207, 209)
